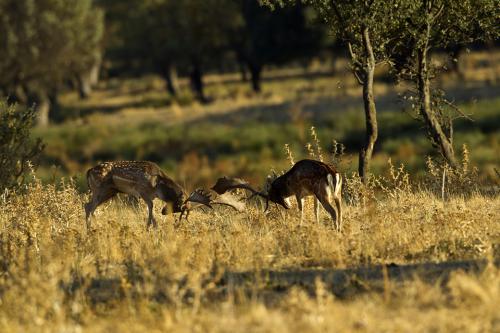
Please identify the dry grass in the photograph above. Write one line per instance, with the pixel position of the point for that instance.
(54, 276)
(57, 277)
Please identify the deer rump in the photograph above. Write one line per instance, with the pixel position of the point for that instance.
(305, 178)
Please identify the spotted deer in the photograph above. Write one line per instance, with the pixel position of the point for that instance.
(146, 180)
(305, 178)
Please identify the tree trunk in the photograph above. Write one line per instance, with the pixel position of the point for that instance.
(55, 107)
(19, 95)
(96, 70)
(432, 122)
(42, 105)
(84, 85)
(255, 71)
(197, 83)
(243, 71)
(89, 78)
(171, 80)
(366, 151)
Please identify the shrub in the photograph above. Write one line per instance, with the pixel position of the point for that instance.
(17, 149)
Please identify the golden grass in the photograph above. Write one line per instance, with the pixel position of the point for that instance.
(54, 276)
(57, 277)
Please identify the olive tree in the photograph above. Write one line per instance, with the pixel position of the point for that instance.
(368, 29)
(17, 149)
(267, 37)
(166, 36)
(439, 24)
(44, 43)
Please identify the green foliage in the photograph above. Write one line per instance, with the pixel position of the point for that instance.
(17, 149)
(162, 33)
(429, 25)
(193, 35)
(46, 42)
(347, 19)
(274, 37)
(441, 24)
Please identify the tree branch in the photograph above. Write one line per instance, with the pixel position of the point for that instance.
(438, 13)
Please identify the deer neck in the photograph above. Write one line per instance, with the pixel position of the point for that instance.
(168, 191)
(282, 184)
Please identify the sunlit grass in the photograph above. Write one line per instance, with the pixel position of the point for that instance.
(54, 275)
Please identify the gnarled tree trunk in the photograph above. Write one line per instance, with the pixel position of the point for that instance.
(89, 78)
(431, 120)
(197, 83)
(84, 85)
(42, 105)
(366, 151)
(255, 72)
(243, 71)
(169, 74)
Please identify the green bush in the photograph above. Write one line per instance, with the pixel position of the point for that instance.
(17, 149)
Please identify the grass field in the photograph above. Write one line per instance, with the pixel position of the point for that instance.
(413, 256)
(56, 276)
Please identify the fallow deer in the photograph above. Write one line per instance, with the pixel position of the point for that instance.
(146, 180)
(305, 178)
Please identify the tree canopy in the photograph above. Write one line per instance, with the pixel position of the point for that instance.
(45, 42)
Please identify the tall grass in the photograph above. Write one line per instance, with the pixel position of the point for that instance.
(54, 276)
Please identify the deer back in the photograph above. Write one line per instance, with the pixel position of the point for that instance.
(135, 177)
(303, 178)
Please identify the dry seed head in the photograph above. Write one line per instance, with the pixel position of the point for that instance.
(310, 150)
(317, 144)
(465, 159)
(289, 154)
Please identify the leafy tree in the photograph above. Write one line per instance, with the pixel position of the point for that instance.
(144, 39)
(17, 149)
(368, 28)
(43, 44)
(164, 36)
(432, 24)
(191, 37)
(274, 37)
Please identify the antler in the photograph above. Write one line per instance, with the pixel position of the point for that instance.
(200, 196)
(228, 199)
(225, 184)
(205, 198)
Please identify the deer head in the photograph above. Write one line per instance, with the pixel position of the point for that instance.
(305, 178)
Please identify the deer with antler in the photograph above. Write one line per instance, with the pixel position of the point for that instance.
(146, 180)
(305, 178)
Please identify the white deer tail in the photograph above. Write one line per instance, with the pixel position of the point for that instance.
(336, 185)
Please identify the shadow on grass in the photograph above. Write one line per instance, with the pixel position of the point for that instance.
(270, 284)
(347, 283)
(277, 77)
(329, 114)
(73, 112)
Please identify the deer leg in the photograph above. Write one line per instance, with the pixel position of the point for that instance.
(316, 209)
(89, 209)
(300, 204)
(151, 218)
(338, 203)
(323, 197)
(96, 201)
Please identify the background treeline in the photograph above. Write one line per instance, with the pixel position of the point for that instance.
(48, 47)
(51, 45)
(192, 37)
